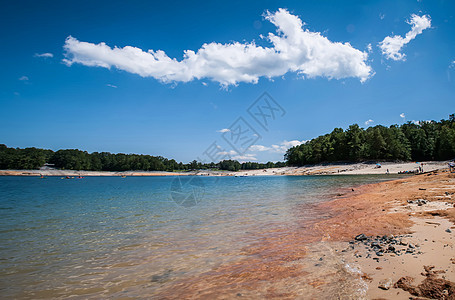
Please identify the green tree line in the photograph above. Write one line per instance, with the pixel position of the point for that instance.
(427, 140)
(74, 159)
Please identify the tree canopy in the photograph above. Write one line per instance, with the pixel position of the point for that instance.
(426, 140)
(74, 159)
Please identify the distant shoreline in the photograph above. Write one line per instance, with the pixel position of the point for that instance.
(328, 169)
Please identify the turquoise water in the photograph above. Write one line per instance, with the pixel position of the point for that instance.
(137, 236)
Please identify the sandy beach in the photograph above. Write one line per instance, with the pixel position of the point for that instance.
(409, 236)
(320, 169)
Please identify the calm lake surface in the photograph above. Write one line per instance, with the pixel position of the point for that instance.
(139, 236)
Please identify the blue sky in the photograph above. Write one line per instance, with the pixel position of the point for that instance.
(61, 88)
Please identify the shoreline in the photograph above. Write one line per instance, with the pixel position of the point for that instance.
(321, 169)
(408, 247)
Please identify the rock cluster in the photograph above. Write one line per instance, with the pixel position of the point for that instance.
(379, 245)
(419, 202)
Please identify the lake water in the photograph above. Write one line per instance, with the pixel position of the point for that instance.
(153, 237)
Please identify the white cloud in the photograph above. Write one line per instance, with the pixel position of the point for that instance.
(369, 48)
(402, 115)
(223, 130)
(422, 122)
(230, 152)
(44, 55)
(111, 85)
(23, 78)
(294, 49)
(258, 148)
(280, 148)
(392, 45)
(381, 16)
(368, 122)
(245, 157)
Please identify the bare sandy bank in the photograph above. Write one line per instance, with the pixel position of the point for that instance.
(332, 169)
(341, 169)
(408, 246)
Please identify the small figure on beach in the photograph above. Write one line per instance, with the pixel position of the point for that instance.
(452, 167)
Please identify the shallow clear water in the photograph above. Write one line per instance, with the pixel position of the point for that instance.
(137, 236)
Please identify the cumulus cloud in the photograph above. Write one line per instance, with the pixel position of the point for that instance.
(245, 157)
(23, 78)
(294, 49)
(230, 152)
(280, 148)
(368, 122)
(223, 130)
(402, 115)
(44, 55)
(392, 45)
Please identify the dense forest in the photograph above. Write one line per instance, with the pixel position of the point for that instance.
(427, 140)
(73, 159)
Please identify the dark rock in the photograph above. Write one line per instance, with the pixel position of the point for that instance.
(448, 230)
(161, 278)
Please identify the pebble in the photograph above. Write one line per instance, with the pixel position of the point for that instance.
(385, 284)
(361, 237)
